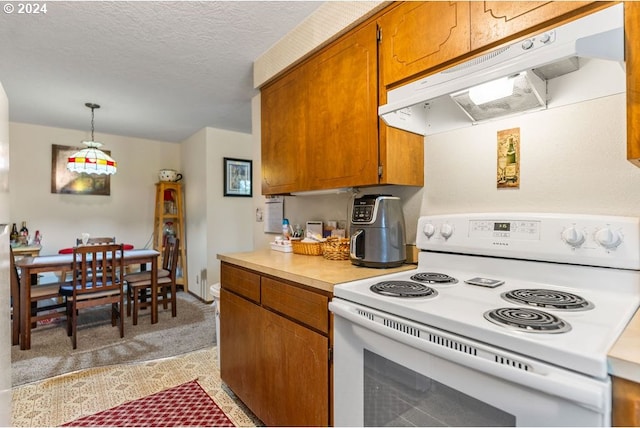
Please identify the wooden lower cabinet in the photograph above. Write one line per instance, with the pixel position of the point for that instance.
(295, 371)
(276, 364)
(626, 403)
(239, 364)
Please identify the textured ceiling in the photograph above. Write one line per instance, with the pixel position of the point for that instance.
(159, 70)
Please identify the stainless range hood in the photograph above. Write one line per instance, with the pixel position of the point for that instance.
(578, 61)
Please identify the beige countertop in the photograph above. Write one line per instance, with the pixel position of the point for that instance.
(316, 271)
(624, 356)
(313, 271)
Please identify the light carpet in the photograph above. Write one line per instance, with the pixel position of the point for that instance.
(186, 405)
(65, 398)
(99, 344)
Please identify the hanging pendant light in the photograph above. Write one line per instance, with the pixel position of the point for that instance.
(91, 160)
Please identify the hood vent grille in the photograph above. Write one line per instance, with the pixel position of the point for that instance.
(478, 60)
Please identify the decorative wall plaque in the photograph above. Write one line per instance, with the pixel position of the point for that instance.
(508, 174)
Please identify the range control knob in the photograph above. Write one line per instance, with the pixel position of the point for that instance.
(545, 38)
(429, 229)
(527, 44)
(573, 237)
(446, 230)
(607, 238)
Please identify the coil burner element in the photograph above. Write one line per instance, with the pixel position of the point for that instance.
(434, 278)
(549, 299)
(403, 289)
(527, 320)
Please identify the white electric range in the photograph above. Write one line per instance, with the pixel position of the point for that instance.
(523, 302)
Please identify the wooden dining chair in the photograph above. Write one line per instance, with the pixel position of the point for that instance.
(88, 290)
(91, 241)
(139, 284)
(48, 293)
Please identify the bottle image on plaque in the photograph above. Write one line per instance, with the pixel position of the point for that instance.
(508, 172)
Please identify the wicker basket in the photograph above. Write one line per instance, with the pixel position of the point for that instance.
(307, 248)
(336, 249)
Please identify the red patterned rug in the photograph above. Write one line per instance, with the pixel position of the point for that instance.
(183, 405)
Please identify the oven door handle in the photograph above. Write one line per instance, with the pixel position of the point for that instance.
(543, 377)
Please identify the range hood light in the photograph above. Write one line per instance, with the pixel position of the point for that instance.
(491, 91)
(517, 93)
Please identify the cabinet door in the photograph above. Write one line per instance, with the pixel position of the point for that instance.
(626, 403)
(492, 21)
(417, 36)
(342, 140)
(240, 350)
(401, 157)
(284, 107)
(632, 55)
(295, 374)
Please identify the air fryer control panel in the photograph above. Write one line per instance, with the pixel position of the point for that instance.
(363, 211)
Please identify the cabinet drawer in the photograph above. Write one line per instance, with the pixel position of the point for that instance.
(302, 305)
(240, 281)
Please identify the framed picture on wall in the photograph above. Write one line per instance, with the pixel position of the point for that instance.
(238, 174)
(65, 181)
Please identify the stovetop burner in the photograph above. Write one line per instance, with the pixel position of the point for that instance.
(527, 320)
(403, 289)
(434, 278)
(550, 299)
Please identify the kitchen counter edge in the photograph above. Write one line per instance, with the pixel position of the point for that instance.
(624, 356)
(312, 271)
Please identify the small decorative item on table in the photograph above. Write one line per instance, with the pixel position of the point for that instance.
(336, 248)
(312, 248)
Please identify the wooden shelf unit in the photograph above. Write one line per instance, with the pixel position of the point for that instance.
(170, 209)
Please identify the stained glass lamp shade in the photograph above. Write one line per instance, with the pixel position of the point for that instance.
(92, 160)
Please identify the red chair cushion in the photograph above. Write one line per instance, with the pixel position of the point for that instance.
(70, 250)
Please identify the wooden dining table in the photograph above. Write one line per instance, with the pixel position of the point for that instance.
(31, 266)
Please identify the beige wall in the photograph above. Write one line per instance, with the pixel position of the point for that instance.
(127, 213)
(572, 160)
(215, 223)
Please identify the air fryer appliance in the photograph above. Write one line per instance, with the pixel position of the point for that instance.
(377, 232)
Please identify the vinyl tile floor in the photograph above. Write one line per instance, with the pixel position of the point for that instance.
(61, 399)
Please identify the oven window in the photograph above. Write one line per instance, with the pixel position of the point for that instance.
(397, 396)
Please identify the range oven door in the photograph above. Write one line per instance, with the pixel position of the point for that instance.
(389, 371)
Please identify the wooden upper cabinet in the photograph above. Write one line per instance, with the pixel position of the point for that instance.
(632, 56)
(343, 106)
(493, 21)
(417, 36)
(284, 132)
(320, 124)
(401, 157)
